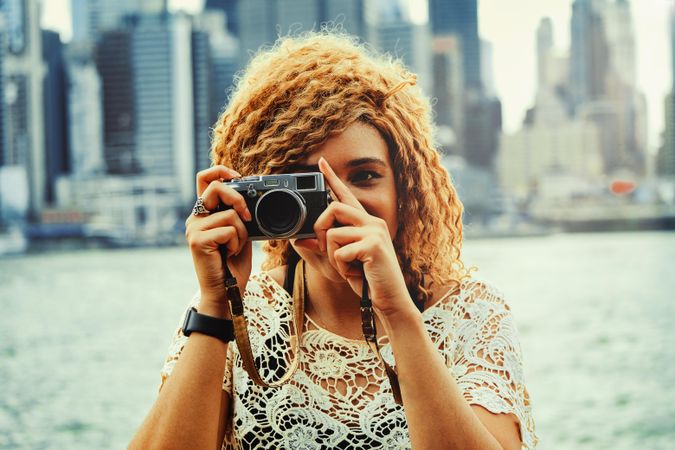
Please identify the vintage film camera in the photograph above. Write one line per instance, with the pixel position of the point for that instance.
(283, 206)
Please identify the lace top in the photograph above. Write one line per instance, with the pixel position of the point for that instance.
(340, 396)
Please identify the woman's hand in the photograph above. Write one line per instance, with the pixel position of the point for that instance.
(361, 239)
(205, 233)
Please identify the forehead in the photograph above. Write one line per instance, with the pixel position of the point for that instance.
(357, 141)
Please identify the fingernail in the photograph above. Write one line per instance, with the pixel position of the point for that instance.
(247, 215)
(234, 172)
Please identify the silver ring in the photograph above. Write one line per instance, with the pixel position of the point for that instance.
(199, 208)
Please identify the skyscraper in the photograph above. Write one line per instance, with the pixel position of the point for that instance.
(24, 121)
(406, 40)
(229, 7)
(55, 112)
(460, 17)
(665, 162)
(602, 81)
(163, 98)
(85, 114)
(261, 21)
(113, 61)
(448, 90)
(93, 17)
(589, 54)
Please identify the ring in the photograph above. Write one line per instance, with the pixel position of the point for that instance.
(199, 208)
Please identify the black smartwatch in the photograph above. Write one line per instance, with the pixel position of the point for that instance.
(211, 326)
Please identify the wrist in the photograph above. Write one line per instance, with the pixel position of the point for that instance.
(405, 317)
(217, 309)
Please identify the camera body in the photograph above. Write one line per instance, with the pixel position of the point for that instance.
(283, 206)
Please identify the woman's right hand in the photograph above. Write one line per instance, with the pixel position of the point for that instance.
(205, 233)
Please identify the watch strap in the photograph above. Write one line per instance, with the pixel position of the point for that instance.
(211, 326)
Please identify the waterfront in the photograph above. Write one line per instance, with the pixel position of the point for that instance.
(83, 336)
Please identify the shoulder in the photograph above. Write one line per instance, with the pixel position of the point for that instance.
(471, 292)
(277, 274)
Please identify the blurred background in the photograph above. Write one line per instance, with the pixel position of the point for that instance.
(555, 119)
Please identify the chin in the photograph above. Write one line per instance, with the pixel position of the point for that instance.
(319, 261)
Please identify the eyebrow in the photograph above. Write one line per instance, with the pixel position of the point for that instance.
(352, 163)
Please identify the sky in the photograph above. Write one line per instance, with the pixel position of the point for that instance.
(510, 26)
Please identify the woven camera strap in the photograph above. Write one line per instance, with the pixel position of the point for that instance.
(370, 335)
(241, 329)
(298, 305)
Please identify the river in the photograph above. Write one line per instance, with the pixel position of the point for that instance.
(83, 336)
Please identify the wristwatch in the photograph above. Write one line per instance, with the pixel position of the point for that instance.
(209, 325)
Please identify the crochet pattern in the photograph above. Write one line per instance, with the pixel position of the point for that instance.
(340, 396)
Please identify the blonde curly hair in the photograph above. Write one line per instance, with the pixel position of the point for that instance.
(293, 96)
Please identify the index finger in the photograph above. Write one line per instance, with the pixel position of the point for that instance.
(338, 188)
(206, 176)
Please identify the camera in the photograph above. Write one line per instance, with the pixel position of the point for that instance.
(283, 206)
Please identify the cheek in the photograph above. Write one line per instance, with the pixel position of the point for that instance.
(385, 207)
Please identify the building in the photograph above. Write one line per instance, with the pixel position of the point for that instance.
(229, 8)
(460, 17)
(163, 98)
(260, 22)
(408, 41)
(448, 90)
(665, 163)
(602, 81)
(529, 155)
(91, 18)
(24, 72)
(125, 209)
(85, 114)
(55, 111)
(215, 55)
(114, 66)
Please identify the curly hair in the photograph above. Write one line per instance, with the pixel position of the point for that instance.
(295, 95)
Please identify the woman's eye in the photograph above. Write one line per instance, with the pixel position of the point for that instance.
(365, 176)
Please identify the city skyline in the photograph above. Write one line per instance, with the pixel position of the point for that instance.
(517, 88)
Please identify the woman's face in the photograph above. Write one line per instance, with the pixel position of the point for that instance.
(360, 158)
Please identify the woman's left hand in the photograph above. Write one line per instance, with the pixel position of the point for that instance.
(360, 239)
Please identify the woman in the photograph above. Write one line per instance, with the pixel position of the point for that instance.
(320, 102)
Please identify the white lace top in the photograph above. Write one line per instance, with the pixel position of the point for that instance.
(340, 396)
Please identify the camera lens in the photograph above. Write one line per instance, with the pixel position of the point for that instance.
(280, 213)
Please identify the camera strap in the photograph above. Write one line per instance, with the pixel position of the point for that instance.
(241, 328)
(298, 306)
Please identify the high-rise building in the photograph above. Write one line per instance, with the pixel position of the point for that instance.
(665, 162)
(487, 68)
(3, 53)
(85, 114)
(257, 26)
(163, 99)
(460, 17)
(90, 18)
(408, 41)
(114, 65)
(448, 90)
(260, 22)
(229, 7)
(24, 71)
(215, 56)
(589, 54)
(55, 111)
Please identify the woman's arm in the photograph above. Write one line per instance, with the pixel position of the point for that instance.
(438, 416)
(191, 408)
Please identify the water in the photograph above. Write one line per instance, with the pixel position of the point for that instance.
(84, 334)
